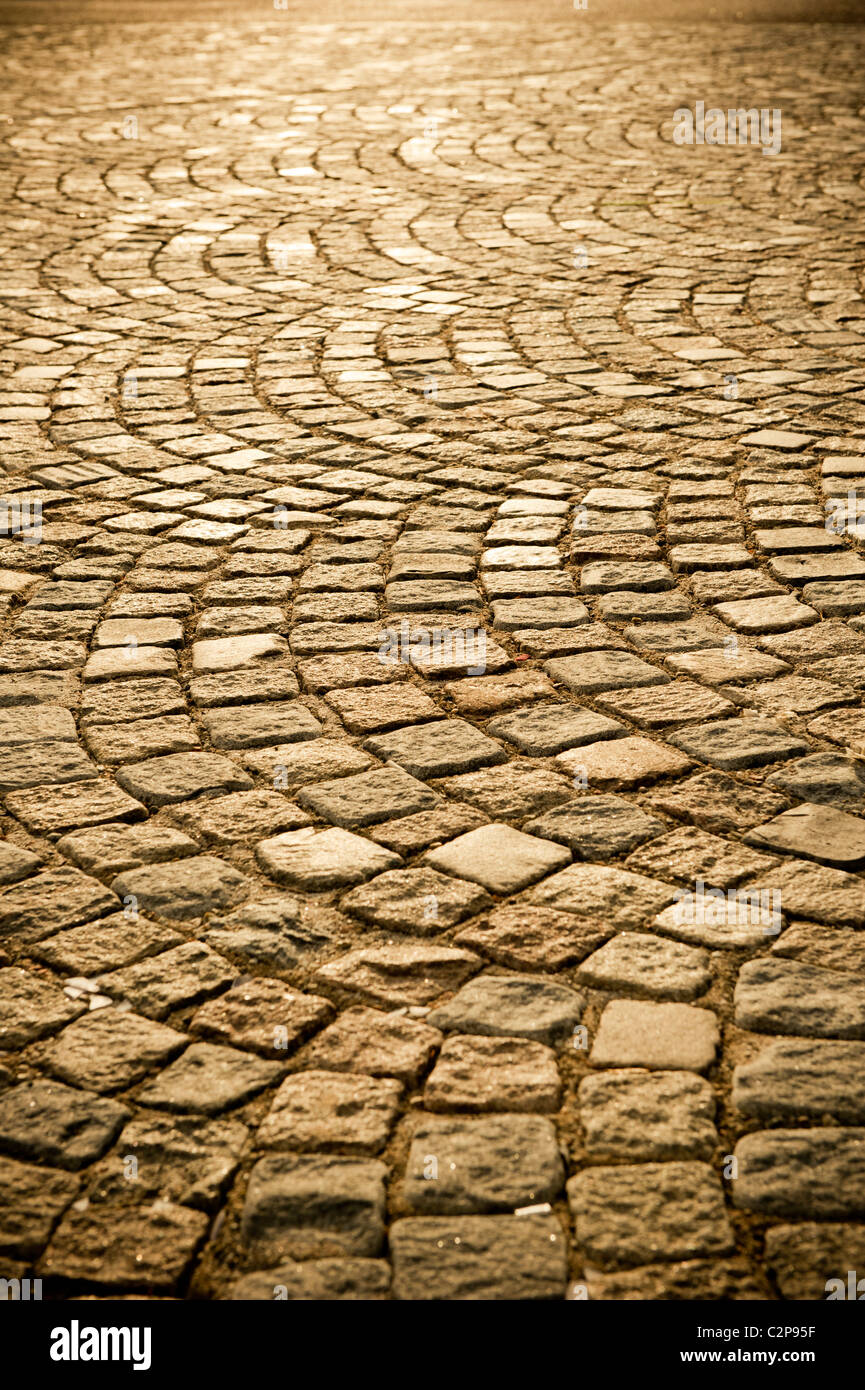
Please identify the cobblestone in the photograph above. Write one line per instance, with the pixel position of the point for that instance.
(432, 592)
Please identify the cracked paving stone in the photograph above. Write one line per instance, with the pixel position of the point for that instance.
(419, 901)
(185, 890)
(533, 938)
(111, 1049)
(400, 975)
(181, 1157)
(638, 964)
(376, 1044)
(802, 1172)
(487, 1164)
(56, 1124)
(327, 1111)
(640, 1115)
(664, 1037)
(267, 933)
(209, 1079)
(163, 781)
(316, 1281)
(158, 984)
(306, 1206)
(478, 1258)
(121, 1247)
(481, 1074)
(264, 1016)
(522, 1006)
(385, 793)
(107, 944)
(789, 996)
(31, 1202)
(318, 860)
(31, 1007)
(499, 858)
(639, 1213)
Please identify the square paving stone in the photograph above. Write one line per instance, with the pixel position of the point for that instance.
(420, 901)
(291, 765)
(55, 1124)
(687, 854)
(225, 820)
(521, 1006)
(315, 1281)
(376, 710)
(109, 1050)
(244, 687)
(794, 1077)
(789, 996)
(546, 729)
(317, 861)
(16, 863)
(123, 1247)
(501, 859)
(481, 1074)
(726, 666)
(181, 1157)
(184, 975)
(31, 1201)
(34, 764)
(623, 762)
(185, 890)
(515, 613)
(597, 827)
(67, 807)
(817, 832)
(111, 849)
(487, 1164)
(31, 1008)
(408, 834)
(733, 744)
(638, 1213)
(830, 778)
(306, 1206)
(179, 776)
(213, 654)
(723, 921)
(663, 1037)
(645, 576)
(268, 933)
(478, 1258)
(522, 788)
(107, 944)
(812, 1173)
(590, 673)
(647, 967)
(611, 896)
(375, 1043)
(805, 1257)
(718, 803)
(439, 749)
(670, 704)
(133, 699)
(265, 1016)
(382, 794)
(326, 1111)
(683, 1281)
(257, 726)
(50, 901)
(209, 1079)
(400, 975)
(780, 613)
(635, 1114)
(533, 938)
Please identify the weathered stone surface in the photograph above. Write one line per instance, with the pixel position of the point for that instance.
(638, 1213)
(495, 1163)
(209, 1079)
(804, 1258)
(802, 1077)
(420, 901)
(663, 1036)
(400, 975)
(52, 1123)
(522, 1006)
(636, 1114)
(478, 1257)
(309, 1205)
(118, 1246)
(31, 1007)
(264, 1016)
(319, 860)
(802, 1172)
(787, 996)
(639, 964)
(109, 1050)
(482, 1074)
(31, 1201)
(499, 858)
(317, 1281)
(375, 1043)
(325, 1111)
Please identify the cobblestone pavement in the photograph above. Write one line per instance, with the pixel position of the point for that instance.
(430, 684)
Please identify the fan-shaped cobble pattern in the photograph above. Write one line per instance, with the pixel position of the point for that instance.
(433, 605)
